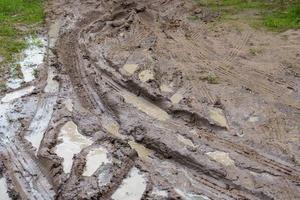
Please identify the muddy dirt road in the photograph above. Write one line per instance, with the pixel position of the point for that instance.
(136, 101)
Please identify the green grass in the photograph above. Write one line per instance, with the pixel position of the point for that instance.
(18, 18)
(277, 15)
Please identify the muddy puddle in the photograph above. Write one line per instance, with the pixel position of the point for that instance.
(112, 127)
(146, 75)
(130, 68)
(44, 112)
(3, 190)
(177, 97)
(166, 88)
(191, 196)
(132, 187)
(94, 159)
(72, 142)
(31, 59)
(142, 151)
(40, 121)
(218, 118)
(160, 193)
(221, 157)
(17, 94)
(145, 106)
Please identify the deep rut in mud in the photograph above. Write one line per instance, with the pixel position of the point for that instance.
(123, 111)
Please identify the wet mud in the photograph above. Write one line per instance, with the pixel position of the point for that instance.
(124, 108)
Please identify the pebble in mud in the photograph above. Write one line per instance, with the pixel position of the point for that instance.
(221, 157)
(132, 187)
(185, 141)
(146, 75)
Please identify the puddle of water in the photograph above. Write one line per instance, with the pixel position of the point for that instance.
(176, 98)
(94, 160)
(130, 68)
(142, 151)
(17, 94)
(4, 121)
(53, 32)
(40, 122)
(112, 127)
(132, 187)
(145, 106)
(160, 193)
(185, 141)
(253, 119)
(221, 157)
(33, 57)
(72, 143)
(52, 85)
(165, 88)
(3, 189)
(146, 75)
(69, 104)
(217, 116)
(190, 196)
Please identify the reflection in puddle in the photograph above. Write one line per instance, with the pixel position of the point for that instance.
(132, 187)
(190, 196)
(130, 68)
(33, 57)
(145, 106)
(3, 189)
(146, 75)
(221, 157)
(94, 160)
(72, 143)
(17, 94)
(142, 151)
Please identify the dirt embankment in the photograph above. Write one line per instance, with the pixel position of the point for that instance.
(141, 102)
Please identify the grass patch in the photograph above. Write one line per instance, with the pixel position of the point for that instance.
(277, 15)
(18, 18)
(211, 79)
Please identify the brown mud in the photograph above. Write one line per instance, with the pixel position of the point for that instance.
(136, 101)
